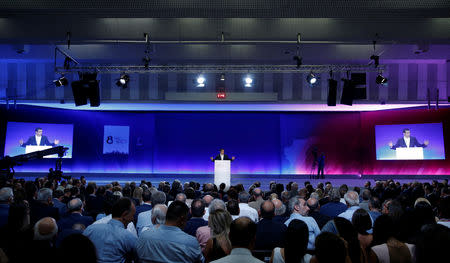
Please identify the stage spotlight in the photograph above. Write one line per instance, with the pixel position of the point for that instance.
(381, 79)
(311, 78)
(298, 61)
(248, 81)
(62, 81)
(123, 81)
(201, 81)
(222, 77)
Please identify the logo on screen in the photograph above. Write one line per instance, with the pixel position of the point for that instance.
(116, 139)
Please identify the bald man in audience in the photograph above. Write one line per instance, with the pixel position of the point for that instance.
(280, 211)
(314, 212)
(269, 233)
(75, 207)
(257, 195)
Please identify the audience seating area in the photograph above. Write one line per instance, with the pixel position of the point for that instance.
(78, 221)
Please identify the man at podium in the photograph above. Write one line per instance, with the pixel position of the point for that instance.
(222, 156)
(38, 139)
(408, 141)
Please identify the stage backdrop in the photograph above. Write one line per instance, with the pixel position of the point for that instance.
(263, 142)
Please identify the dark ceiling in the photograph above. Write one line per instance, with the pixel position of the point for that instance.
(232, 8)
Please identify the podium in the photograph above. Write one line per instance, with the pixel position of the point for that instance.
(35, 148)
(412, 153)
(222, 171)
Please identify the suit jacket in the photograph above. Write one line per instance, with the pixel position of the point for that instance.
(72, 219)
(225, 157)
(413, 142)
(39, 210)
(269, 234)
(32, 141)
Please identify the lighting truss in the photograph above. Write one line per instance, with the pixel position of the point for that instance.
(140, 69)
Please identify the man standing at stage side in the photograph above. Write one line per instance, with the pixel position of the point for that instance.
(222, 156)
(320, 165)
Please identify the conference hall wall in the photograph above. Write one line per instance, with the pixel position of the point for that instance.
(268, 143)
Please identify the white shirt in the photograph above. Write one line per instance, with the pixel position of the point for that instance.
(246, 210)
(106, 219)
(222, 156)
(278, 258)
(407, 140)
(38, 139)
(144, 220)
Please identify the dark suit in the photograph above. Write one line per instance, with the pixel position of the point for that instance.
(413, 142)
(269, 234)
(32, 141)
(72, 219)
(39, 210)
(225, 157)
(193, 224)
(321, 219)
(141, 208)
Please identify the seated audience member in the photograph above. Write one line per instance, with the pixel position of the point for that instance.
(258, 199)
(75, 208)
(386, 247)
(362, 223)
(43, 206)
(432, 244)
(269, 233)
(334, 207)
(364, 204)
(112, 241)
(218, 246)
(6, 198)
(204, 233)
(169, 243)
(352, 201)
(196, 221)
(242, 237)
(145, 218)
(58, 197)
(280, 211)
(329, 249)
(245, 209)
(208, 199)
(146, 203)
(233, 208)
(158, 217)
(76, 229)
(374, 208)
(296, 242)
(299, 210)
(42, 248)
(81, 243)
(314, 212)
(444, 211)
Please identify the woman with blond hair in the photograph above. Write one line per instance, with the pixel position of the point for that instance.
(137, 195)
(219, 244)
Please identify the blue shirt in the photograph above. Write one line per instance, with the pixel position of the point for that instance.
(168, 244)
(144, 219)
(313, 227)
(113, 242)
(333, 209)
(4, 213)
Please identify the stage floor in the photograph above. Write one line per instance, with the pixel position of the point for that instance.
(246, 180)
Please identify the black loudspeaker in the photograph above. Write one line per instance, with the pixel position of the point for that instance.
(359, 80)
(79, 95)
(86, 88)
(348, 92)
(448, 99)
(332, 92)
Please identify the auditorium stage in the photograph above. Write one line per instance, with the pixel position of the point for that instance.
(246, 179)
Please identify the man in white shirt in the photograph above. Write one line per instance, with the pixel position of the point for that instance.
(408, 141)
(38, 139)
(222, 156)
(245, 209)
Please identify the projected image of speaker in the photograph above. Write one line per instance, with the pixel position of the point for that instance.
(86, 88)
(348, 92)
(332, 92)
